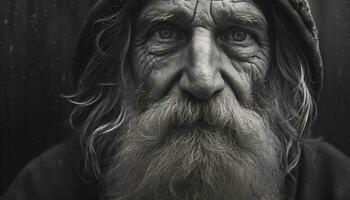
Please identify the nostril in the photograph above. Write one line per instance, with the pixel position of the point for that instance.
(201, 93)
(201, 86)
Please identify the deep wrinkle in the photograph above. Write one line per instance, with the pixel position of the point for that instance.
(181, 18)
(240, 17)
(195, 10)
(211, 9)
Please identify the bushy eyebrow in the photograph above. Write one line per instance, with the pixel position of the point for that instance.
(244, 18)
(157, 15)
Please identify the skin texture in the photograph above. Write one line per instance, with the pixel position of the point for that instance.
(201, 48)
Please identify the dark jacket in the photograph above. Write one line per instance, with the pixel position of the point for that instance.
(322, 174)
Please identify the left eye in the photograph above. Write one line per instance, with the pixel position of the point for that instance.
(237, 36)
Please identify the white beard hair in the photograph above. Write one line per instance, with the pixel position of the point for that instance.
(180, 149)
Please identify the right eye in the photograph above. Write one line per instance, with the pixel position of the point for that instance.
(164, 39)
(166, 34)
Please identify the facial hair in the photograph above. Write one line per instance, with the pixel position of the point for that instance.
(183, 149)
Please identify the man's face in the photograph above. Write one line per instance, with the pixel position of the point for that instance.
(201, 48)
(201, 137)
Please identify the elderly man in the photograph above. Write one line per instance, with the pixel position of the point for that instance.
(193, 99)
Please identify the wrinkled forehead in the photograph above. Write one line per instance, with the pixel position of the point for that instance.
(203, 11)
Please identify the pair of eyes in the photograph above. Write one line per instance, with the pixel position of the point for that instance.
(171, 34)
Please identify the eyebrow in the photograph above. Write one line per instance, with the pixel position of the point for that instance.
(157, 15)
(245, 18)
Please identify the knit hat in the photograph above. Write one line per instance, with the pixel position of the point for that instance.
(296, 12)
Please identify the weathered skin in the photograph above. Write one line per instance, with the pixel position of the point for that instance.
(201, 47)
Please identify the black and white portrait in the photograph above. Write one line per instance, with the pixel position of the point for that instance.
(175, 100)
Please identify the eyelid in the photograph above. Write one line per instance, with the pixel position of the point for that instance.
(164, 46)
(249, 32)
(161, 25)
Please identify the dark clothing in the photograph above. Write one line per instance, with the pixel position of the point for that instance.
(322, 174)
(54, 175)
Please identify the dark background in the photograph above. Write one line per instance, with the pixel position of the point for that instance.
(36, 44)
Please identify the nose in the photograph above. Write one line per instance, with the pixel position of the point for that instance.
(201, 76)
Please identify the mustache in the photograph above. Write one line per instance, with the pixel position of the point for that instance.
(180, 110)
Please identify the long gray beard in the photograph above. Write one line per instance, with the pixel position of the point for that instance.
(183, 149)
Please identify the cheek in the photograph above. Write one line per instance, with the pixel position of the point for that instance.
(158, 73)
(244, 68)
(143, 62)
(252, 63)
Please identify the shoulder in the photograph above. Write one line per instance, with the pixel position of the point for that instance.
(324, 173)
(52, 175)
